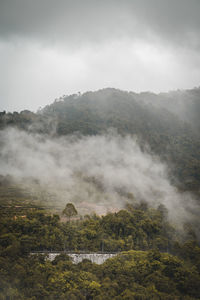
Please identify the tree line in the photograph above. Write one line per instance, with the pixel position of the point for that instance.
(155, 260)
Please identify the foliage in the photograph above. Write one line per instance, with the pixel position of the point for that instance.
(70, 210)
(158, 120)
(155, 260)
(143, 269)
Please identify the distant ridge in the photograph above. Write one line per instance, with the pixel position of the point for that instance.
(168, 122)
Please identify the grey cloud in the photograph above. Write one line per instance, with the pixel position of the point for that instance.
(62, 21)
(49, 48)
(176, 21)
(91, 20)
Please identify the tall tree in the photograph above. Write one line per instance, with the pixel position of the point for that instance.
(70, 210)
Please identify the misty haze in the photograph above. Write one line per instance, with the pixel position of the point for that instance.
(99, 150)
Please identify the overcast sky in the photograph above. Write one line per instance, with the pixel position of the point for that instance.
(49, 48)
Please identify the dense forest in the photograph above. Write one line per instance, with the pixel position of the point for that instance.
(158, 248)
(154, 261)
(168, 123)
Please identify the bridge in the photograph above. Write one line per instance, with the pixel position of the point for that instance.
(77, 257)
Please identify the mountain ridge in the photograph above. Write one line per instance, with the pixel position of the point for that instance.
(151, 117)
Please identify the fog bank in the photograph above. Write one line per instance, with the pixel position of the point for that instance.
(97, 173)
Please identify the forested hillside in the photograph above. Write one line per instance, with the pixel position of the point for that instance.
(106, 171)
(184, 103)
(154, 261)
(168, 123)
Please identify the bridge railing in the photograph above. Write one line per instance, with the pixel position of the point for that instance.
(72, 252)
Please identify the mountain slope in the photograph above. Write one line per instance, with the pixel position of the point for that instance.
(160, 121)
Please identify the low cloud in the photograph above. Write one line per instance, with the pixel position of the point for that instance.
(97, 173)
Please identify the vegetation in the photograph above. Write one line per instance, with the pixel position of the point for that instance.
(168, 123)
(155, 262)
(70, 211)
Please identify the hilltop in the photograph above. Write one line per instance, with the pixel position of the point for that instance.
(168, 123)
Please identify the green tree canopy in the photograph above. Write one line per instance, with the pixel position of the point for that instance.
(70, 210)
